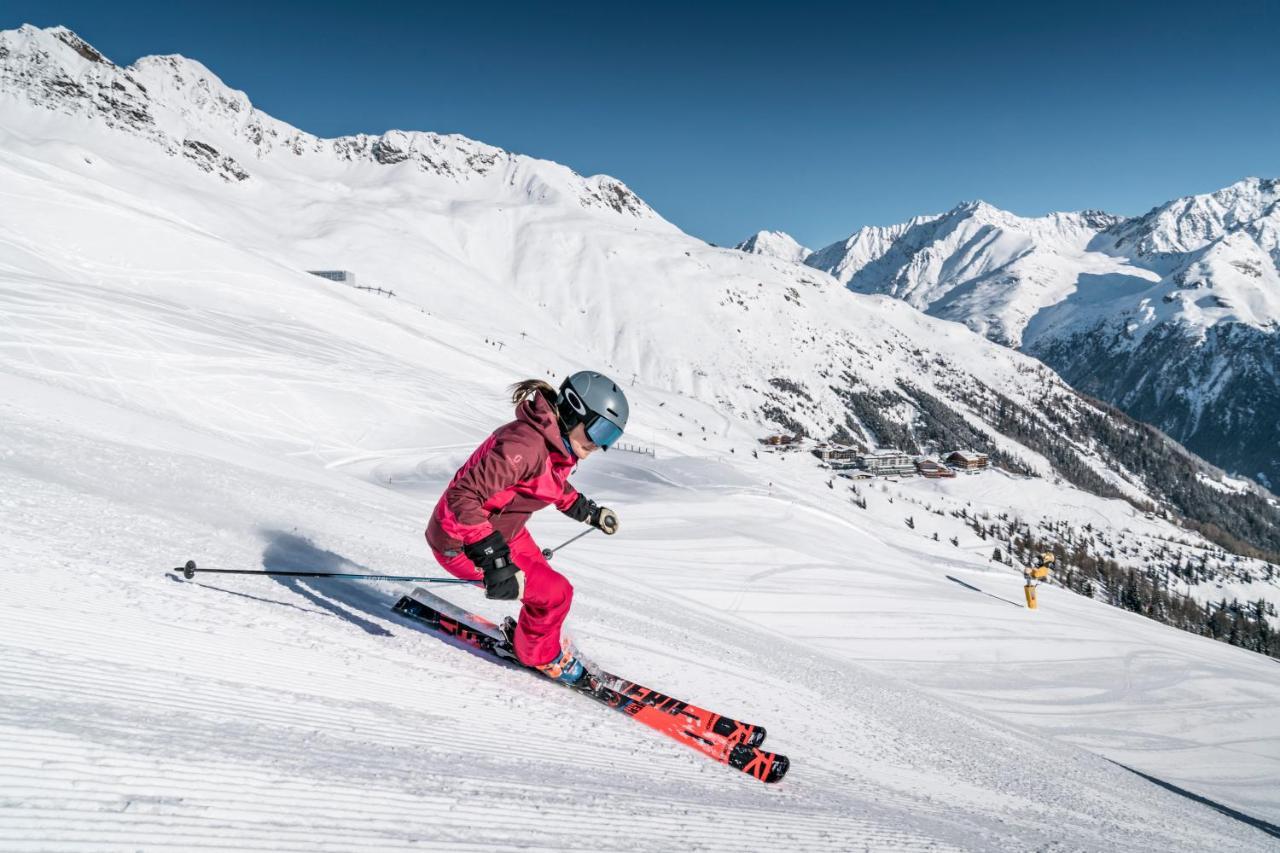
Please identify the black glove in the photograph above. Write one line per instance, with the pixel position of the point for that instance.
(588, 511)
(492, 556)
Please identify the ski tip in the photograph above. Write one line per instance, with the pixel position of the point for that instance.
(768, 767)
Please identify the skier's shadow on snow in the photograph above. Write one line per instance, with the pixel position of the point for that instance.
(351, 602)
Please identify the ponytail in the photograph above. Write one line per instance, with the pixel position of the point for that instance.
(525, 389)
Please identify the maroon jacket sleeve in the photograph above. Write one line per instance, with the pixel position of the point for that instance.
(510, 456)
(567, 497)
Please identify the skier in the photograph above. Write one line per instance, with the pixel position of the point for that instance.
(477, 530)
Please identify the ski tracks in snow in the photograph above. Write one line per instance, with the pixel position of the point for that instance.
(127, 733)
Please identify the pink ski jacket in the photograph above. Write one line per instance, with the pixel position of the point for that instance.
(521, 468)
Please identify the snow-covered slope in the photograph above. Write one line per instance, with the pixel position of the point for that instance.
(1172, 316)
(775, 244)
(145, 712)
(174, 386)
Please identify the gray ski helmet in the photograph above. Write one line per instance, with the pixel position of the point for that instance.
(594, 400)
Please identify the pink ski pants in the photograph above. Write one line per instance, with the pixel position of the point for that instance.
(547, 597)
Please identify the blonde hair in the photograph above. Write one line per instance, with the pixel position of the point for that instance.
(526, 388)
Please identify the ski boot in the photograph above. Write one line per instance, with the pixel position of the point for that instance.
(566, 668)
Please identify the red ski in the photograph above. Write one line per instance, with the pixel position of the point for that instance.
(718, 737)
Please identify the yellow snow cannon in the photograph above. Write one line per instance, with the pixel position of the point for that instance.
(1034, 576)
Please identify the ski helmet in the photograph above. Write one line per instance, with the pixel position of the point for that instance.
(595, 401)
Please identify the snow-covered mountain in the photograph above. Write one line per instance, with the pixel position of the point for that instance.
(183, 108)
(775, 244)
(1195, 222)
(174, 381)
(976, 264)
(1173, 316)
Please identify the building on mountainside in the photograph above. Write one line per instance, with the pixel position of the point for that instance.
(780, 440)
(933, 469)
(349, 279)
(887, 461)
(968, 460)
(836, 455)
(341, 276)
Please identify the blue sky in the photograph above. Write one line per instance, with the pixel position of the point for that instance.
(814, 119)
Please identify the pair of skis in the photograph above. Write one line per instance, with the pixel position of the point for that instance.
(720, 738)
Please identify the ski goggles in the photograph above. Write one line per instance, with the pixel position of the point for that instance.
(603, 432)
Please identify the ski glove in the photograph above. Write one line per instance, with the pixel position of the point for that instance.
(588, 511)
(503, 579)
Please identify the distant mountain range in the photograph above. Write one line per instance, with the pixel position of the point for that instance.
(1174, 316)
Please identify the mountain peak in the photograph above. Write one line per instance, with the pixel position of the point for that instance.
(1191, 223)
(775, 244)
(175, 74)
(73, 41)
(980, 208)
(1252, 185)
(54, 43)
(56, 70)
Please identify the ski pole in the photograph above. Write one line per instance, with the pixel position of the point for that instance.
(190, 569)
(549, 552)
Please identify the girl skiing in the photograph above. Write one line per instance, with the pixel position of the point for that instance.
(477, 530)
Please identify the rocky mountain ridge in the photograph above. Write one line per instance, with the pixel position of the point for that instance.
(180, 105)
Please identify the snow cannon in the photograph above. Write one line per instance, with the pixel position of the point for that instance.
(1034, 576)
(1041, 570)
